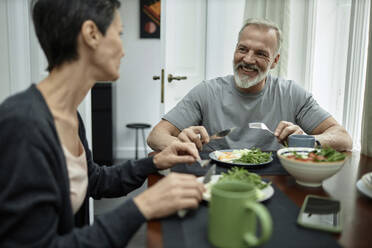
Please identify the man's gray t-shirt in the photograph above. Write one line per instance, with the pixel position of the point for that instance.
(217, 105)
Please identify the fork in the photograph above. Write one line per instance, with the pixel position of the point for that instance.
(261, 125)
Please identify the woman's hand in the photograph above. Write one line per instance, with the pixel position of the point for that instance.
(176, 153)
(174, 192)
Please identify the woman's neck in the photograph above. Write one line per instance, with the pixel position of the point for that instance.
(65, 88)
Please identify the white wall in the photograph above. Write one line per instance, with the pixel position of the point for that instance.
(14, 44)
(141, 62)
(4, 57)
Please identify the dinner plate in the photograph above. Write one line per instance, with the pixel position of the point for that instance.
(213, 156)
(267, 192)
(363, 188)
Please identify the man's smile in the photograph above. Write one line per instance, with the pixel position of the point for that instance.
(248, 69)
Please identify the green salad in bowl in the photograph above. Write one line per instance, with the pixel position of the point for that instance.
(309, 166)
(264, 190)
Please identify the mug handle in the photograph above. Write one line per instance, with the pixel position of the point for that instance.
(266, 224)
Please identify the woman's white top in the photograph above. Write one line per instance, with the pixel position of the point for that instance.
(78, 177)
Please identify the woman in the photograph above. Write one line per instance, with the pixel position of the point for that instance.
(47, 168)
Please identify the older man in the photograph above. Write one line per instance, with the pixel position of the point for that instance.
(250, 95)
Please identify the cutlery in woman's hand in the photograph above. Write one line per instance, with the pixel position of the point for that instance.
(208, 176)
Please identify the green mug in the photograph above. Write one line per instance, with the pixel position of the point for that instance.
(233, 212)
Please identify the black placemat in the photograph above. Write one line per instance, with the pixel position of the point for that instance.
(192, 231)
(273, 168)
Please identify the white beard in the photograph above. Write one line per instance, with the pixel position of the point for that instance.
(245, 82)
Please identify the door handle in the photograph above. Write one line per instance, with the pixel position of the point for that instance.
(162, 84)
(171, 78)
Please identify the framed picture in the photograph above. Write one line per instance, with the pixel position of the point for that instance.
(150, 19)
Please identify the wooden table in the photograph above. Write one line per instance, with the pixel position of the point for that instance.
(357, 208)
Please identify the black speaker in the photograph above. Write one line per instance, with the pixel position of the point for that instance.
(102, 123)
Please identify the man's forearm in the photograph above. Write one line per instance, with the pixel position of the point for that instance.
(158, 140)
(337, 138)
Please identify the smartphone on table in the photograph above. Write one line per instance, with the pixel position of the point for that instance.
(321, 213)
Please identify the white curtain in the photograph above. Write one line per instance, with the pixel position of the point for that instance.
(277, 11)
(356, 71)
(367, 109)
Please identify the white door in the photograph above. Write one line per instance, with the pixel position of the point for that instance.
(183, 39)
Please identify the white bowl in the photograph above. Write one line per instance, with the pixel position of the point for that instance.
(308, 173)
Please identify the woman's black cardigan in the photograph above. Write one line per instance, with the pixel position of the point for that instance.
(35, 207)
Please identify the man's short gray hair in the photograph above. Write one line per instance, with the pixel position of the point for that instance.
(266, 23)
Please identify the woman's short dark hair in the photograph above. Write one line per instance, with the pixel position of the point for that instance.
(58, 23)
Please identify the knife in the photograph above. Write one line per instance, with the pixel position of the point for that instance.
(207, 178)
